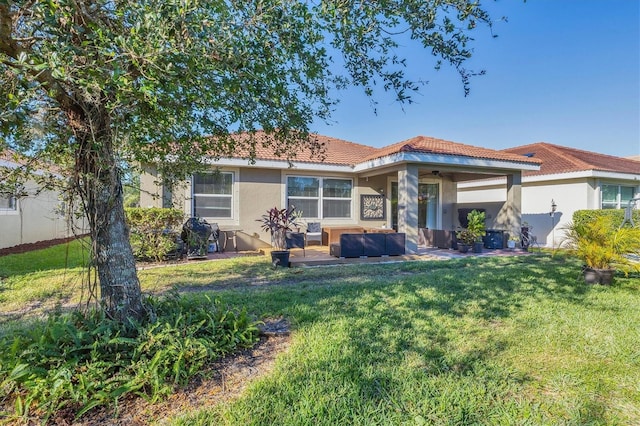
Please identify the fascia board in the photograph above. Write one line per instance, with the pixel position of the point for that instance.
(582, 174)
(554, 177)
(275, 164)
(440, 159)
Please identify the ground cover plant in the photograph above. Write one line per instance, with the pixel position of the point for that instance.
(80, 361)
(504, 340)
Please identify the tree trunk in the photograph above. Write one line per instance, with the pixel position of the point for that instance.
(100, 186)
(119, 285)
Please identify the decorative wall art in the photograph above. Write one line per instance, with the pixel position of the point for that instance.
(372, 207)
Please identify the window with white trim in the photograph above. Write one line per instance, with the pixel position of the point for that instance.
(7, 203)
(320, 197)
(617, 196)
(213, 195)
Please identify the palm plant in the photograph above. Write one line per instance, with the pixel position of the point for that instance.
(602, 245)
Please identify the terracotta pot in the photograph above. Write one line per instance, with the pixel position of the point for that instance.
(598, 276)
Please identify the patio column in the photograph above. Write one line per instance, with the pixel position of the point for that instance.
(514, 203)
(408, 206)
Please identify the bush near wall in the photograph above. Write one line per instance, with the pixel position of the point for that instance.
(617, 216)
(153, 231)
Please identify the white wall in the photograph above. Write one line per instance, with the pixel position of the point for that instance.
(569, 195)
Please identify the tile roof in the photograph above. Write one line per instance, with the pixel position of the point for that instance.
(561, 159)
(336, 151)
(424, 144)
(341, 152)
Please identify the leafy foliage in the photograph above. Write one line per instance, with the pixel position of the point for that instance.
(278, 222)
(476, 224)
(465, 237)
(83, 361)
(602, 244)
(153, 231)
(616, 215)
(93, 85)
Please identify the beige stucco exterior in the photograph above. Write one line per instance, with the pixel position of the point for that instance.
(257, 189)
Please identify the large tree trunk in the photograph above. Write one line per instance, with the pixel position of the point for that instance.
(119, 284)
(100, 185)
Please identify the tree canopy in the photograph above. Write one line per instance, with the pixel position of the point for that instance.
(95, 85)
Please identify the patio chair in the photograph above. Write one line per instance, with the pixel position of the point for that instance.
(296, 240)
(314, 232)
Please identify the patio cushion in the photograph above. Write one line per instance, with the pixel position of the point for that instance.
(374, 244)
(395, 244)
(351, 245)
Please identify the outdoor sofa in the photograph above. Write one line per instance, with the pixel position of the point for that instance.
(369, 245)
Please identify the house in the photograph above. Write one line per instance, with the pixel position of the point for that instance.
(569, 178)
(406, 186)
(31, 216)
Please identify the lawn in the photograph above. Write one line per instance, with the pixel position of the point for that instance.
(516, 340)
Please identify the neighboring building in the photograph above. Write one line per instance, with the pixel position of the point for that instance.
(572, 178)
(413, 183)
(32, 216)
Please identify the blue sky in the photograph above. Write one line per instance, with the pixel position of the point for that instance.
(560, 71)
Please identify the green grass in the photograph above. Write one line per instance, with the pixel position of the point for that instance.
(42, 277)
(473, 341)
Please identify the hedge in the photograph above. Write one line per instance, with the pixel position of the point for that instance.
(616, 215)
(153, 231)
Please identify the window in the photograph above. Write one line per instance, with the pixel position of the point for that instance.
(320, 197)
(616, 196)
(7, 202)
(213, 195)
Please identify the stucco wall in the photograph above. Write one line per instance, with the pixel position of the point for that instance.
(34, 220)
(150, 192)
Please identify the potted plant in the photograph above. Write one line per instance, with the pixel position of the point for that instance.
(278, 222)
(477, 227)
(465, 240)
(512, 241)
(603, 247)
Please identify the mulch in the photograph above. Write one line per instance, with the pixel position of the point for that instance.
(23, 248)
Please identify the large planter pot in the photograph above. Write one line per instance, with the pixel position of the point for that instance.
(598, 276)
(280, 258)
(478, 246)
(463, 248)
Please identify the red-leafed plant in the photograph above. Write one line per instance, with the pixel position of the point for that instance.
(278, 222)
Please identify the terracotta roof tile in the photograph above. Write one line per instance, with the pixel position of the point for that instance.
(424, 144)
(561, 159)
(336, 151)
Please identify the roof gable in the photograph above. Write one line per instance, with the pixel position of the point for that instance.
(429, 145)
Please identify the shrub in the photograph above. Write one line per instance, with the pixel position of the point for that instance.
(616, 215)
(601, 244)
(153, 231)
(80, 361)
